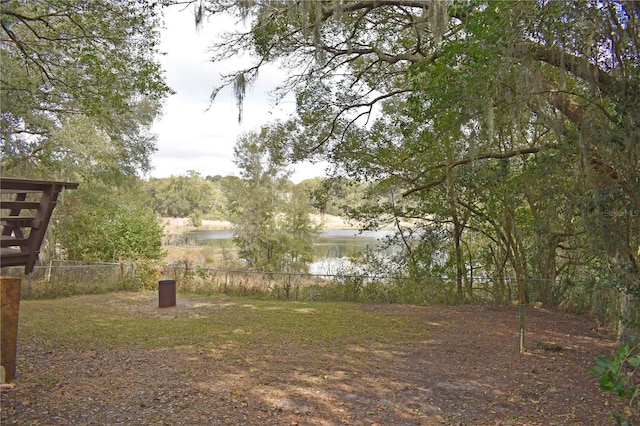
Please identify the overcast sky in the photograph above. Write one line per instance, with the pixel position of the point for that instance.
(190, 137)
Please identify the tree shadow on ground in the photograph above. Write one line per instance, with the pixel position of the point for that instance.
(462, 367)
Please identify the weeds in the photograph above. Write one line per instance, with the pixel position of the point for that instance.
(621, 374)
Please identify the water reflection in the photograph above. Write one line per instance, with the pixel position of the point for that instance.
(332, 249)
(341, 243)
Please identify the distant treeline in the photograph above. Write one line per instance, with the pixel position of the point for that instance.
(206, 197)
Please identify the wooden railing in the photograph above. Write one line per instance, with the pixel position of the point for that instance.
(25, 210)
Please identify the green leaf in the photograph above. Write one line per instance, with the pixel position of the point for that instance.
(623, 352)
(606, 383)
(603, 362)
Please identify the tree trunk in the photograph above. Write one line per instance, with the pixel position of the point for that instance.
(458, 228)
(519, 268)
(629, 330)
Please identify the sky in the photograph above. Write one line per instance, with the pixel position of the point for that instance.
(194, 134)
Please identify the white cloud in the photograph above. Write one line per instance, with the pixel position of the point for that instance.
(194, 134)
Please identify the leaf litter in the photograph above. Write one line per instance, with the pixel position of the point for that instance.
(298, 363)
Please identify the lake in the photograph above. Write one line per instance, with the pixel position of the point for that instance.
(332, 248)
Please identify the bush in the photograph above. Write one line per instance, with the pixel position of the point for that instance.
(620, 374)
(196, 218)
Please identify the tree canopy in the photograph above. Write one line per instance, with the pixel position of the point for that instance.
(80, 88)
(66, 61)
(270, 217)
(519, 118)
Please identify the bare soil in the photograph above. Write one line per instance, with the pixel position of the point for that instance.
(467, 372)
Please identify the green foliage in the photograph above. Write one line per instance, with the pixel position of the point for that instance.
(270, 218)
(107, 226)
(64, 60)
(64, 279)
(147, 273)
(196, 218)
(184, 196)
(80, 89)
(358, 287)
(513, 128)
(620, 374)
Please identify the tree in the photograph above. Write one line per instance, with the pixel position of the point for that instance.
(80, 89)
(270, 218)
(183, 196)
(483, 76)
(65, 61)
(108, 225)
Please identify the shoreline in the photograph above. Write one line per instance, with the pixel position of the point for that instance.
(176, 225)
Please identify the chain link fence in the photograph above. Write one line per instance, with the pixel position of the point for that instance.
(61, 279)
(363, 287)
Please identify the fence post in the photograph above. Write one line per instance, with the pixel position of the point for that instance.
(433, 290)
(48, 275)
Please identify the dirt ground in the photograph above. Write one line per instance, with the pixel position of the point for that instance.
(468, 372)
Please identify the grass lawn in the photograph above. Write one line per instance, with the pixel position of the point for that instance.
(119, 359)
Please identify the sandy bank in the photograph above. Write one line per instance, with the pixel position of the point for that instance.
(181, 224)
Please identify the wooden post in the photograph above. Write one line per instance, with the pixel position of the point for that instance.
(25, 213)
(10, 304)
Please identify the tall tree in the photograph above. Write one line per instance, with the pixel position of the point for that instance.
(63, 61)
(79, 91)
(568, 68)
(271, 222)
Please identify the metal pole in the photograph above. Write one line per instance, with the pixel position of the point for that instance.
(522, 318)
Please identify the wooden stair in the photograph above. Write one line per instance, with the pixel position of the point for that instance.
(26, 206)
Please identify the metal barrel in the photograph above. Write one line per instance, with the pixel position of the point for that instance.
(166, 293)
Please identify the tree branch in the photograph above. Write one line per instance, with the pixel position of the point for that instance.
(450, 166)
(576, 65)
(370, 5)
(369, 104)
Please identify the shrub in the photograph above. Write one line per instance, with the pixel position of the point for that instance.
(620, 374)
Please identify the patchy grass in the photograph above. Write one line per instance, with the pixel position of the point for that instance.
(201, 322)
(119, 359)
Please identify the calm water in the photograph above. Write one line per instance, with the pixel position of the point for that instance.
(332, 248)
